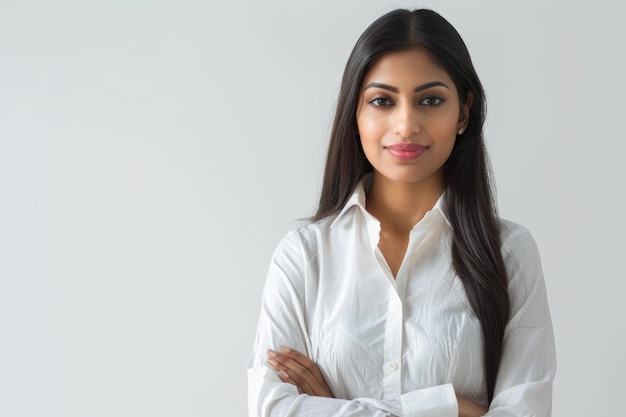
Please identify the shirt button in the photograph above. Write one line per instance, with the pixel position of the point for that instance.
(393, 366)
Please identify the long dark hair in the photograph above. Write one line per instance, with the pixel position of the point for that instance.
(470, 205)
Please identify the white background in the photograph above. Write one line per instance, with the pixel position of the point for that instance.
(152, 154)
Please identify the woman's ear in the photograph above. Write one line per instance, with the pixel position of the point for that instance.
(465, 111)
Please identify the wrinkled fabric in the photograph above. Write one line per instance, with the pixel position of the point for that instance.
(396, 347)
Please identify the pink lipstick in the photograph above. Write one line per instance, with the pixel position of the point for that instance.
(406, 151)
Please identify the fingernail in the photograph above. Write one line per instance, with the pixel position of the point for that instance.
(271, 353)
(285, 349)
(284, 374)
(272, 362)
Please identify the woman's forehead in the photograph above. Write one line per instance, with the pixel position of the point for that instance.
(412, 66)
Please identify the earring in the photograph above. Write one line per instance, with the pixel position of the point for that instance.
(461, 130)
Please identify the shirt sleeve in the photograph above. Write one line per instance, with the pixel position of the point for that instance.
(528, 365)
(283, 321)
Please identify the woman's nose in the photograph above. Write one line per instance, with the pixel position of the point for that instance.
(406, 121)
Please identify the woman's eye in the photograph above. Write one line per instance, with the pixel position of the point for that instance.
(432, 101)
(380, 102)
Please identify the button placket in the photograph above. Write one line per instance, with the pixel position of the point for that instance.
(393, 348)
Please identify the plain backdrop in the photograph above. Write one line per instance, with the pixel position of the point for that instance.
(153, 153)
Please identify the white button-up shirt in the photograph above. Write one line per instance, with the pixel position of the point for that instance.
(396, 347)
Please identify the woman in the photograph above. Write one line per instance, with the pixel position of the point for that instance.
(405, 295)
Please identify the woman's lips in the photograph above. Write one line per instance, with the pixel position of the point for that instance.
(406, 151)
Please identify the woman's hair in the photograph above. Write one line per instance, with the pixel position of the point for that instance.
(470, 206)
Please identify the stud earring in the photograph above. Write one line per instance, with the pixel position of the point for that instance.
(461, 130)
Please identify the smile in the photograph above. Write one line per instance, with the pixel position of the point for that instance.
(406, 151)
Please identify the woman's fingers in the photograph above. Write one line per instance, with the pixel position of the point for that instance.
(285, 378)
(295, 368)
(305, 362)
(320, 387)
(292, 372)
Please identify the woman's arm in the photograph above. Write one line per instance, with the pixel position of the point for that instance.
(296, 369)
(528, 365)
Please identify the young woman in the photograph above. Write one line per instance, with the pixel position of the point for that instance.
(405, 295)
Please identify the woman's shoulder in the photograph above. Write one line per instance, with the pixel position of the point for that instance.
(513, 235)
(519, 249)
(307, 236)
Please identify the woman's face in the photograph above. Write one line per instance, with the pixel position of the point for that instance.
(408, 117)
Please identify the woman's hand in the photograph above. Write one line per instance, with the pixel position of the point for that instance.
(469, 408)
(295, 368)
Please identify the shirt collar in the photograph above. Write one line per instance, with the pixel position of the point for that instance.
(440, 208)
(358, 198)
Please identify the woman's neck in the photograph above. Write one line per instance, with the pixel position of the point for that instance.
(400, 206)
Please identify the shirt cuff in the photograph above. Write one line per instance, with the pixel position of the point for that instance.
(438, 401)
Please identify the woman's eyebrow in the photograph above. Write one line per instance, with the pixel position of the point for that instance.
(415, 90)
(431, 84)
